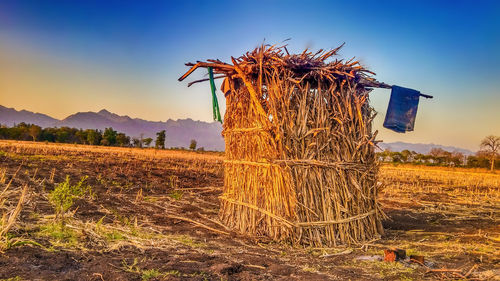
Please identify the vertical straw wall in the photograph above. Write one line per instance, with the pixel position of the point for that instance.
(330, 155)
(258, 195)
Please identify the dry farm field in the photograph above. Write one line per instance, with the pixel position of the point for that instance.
(107, 213)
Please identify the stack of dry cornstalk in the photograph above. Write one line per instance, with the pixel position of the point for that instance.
(300, 163)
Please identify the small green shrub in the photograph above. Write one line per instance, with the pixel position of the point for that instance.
(10, 241)
(60, 235)
(64, 194)
(151, 273)
(176, 194)
(114, 236)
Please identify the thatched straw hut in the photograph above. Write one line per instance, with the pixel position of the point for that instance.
(300, 161)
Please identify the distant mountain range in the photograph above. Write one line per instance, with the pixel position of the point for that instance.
(421, 147)
(179, 132)
(10, 116)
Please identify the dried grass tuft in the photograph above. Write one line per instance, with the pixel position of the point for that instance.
(9, 212)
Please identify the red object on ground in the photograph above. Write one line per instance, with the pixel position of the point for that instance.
(389, 255)
(394, 254)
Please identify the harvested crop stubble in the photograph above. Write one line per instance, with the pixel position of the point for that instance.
(300, 163)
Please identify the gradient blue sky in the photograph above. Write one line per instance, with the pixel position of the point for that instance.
(59, 57)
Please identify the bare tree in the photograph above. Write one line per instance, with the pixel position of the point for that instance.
(141, 140)
(491, 146)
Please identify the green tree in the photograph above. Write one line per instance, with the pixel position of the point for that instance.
(147, 141)
(62, 135)
(420, 158)
(480, 160)
(385, 155)
(20, 132)
(81, 136)
(396, 157)
(457, 158)
(122, 139)
(193, 144)
(160, 140)
(136, 142)
(109, 136)
(4, 132)
(48, 134)
(94, 137)
(490, 145)
(406, 156)
(35, 131)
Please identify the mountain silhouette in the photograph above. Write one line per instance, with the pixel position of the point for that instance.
(423, 148)
(10, 116)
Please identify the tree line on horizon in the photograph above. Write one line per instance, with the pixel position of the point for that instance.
(108, 137)
(484, 158)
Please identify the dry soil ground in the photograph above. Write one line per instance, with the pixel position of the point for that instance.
(152, 215)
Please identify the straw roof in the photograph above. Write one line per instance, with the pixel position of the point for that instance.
(312, 67)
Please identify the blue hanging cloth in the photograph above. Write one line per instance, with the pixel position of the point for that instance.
(402, 109)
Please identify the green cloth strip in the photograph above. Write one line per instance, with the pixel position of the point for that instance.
(215, 103)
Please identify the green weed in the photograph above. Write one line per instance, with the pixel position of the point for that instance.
(150, 273)
(60, 235)
(147, 274)
(64, 194)
(176, 194)
(188, 241)
(172, 181)
(10, 241)
(114, 236)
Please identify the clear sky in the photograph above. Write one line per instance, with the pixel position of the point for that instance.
(60, 57)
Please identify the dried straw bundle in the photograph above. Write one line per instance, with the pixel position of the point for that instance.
(300, 162)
